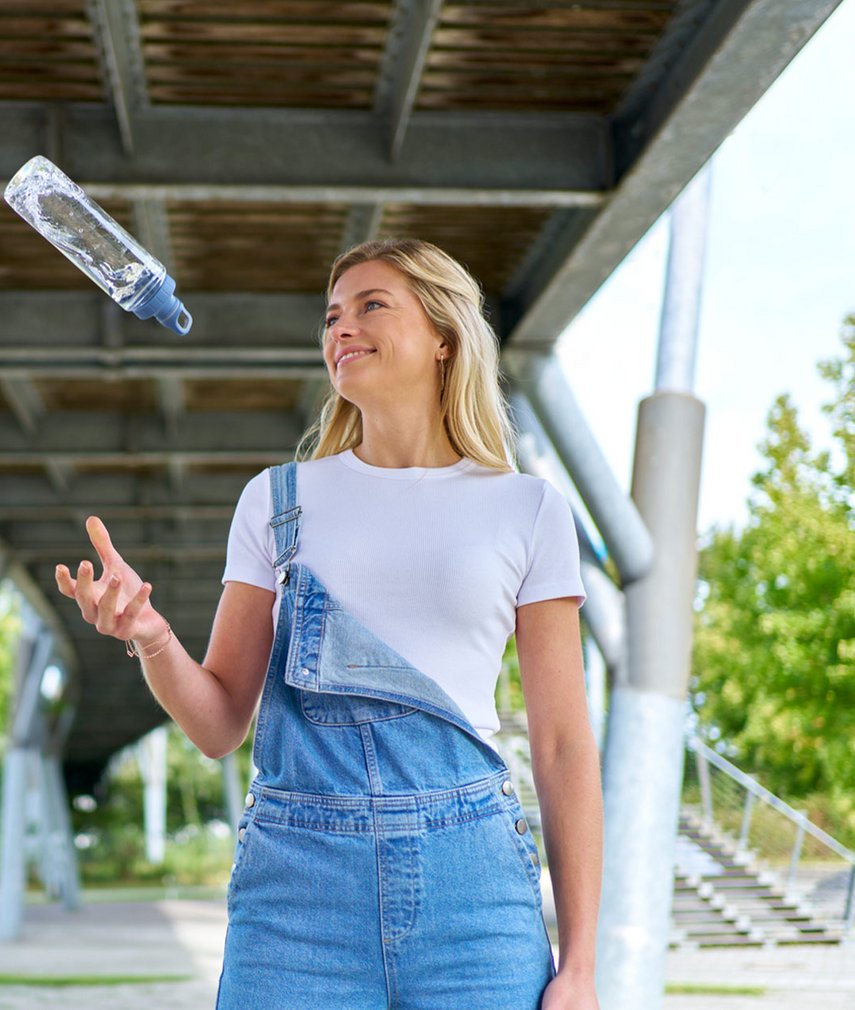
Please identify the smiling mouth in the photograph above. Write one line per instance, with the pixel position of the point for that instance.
(353, 357)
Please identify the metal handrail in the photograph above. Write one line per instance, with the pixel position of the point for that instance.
(754, 787)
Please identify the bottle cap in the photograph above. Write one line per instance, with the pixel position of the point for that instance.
(166, 308)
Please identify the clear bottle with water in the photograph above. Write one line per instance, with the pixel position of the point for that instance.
(69, 219)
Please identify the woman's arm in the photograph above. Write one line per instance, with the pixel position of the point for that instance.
(566, 769)
(213, 702)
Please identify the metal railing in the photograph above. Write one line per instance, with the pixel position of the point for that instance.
(769, 835)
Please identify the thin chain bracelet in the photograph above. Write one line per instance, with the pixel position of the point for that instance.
(132, 650)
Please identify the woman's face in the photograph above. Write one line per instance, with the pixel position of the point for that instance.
(373, 311)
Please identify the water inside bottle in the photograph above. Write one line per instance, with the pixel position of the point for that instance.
(62, 212)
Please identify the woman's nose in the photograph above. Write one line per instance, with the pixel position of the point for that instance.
(344, 326)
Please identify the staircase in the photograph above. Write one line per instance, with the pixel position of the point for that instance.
(720, 898)
(720, 901)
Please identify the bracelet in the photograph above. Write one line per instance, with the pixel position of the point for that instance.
(132, 650)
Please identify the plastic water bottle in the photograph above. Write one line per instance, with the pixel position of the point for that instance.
(62, 212)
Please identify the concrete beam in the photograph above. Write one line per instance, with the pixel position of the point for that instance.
(123, 489)
(44, 321)
(726, 67)
(151, 228)
(170, 396)
(75, 436)
(363, 223)
(117, 30)
(330, 156)
(24, 400)
(413, 23)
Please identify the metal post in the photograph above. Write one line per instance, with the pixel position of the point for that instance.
(643, 761)
(796, 854)
(849, 912)
(746, 821)
(706, 788)
(541, 378)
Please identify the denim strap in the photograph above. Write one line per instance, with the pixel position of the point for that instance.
(285, 519)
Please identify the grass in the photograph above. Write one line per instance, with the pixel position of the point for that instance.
(701, 989)
(143, 892)
(98, 980)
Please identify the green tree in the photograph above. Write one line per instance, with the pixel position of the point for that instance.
(774, 649)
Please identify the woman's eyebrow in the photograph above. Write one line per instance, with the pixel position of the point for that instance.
(362, 294)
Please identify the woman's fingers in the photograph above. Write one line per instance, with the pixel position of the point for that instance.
(132, 610)
(107, 607)
(101, 542)
(65, 583)
(100, 600)
(85, 592)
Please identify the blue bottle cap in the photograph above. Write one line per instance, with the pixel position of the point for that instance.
(166, 308)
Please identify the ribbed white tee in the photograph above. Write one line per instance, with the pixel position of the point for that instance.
(432, 560)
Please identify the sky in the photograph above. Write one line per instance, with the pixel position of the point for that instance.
(779, 280)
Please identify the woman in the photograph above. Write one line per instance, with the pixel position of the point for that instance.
(383, 859)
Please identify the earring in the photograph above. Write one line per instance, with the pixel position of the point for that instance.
(441, 374)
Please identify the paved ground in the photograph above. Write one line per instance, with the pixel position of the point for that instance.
(185, 938)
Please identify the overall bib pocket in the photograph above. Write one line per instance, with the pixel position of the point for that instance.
(325, 709)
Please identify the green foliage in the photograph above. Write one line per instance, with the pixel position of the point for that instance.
(9, 629)
(774, 648)
(511, 671)
(199, 843)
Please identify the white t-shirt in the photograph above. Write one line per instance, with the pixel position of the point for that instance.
(432, 560)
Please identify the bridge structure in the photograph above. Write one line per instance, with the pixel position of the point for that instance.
(535, 141)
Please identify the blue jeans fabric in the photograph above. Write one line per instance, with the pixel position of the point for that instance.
(383, 860)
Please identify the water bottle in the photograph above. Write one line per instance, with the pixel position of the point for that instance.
(62, 213)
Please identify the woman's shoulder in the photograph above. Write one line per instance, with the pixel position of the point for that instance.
(514, 480)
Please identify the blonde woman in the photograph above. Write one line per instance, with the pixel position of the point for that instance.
(383, 859)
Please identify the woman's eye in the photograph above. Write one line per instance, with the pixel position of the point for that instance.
(330, 321)
(369, 304)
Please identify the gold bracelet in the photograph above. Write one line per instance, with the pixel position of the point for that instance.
(132, 650)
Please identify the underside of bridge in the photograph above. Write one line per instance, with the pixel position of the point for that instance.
(245, 146)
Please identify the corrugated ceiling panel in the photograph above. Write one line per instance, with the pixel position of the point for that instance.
(302, 53)
(257, 394)
(574, 57)
(490, 241)
(48, 52)
(255, 247)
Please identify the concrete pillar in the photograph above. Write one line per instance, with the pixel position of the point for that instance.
(12, 859)
(234, 794)
(151, 754)
(60, 873)
(643, 759)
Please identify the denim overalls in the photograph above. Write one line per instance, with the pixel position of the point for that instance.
(383, 860)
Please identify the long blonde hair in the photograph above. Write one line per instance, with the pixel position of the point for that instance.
(473, 408)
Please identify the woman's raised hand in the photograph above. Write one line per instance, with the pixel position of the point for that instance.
(118, 602)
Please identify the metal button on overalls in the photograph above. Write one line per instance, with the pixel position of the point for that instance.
(241, 833)
(250, 799)
(507, 787)
(521, 826)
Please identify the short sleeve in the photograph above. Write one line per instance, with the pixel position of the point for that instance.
(249, 553)
(554, 568)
